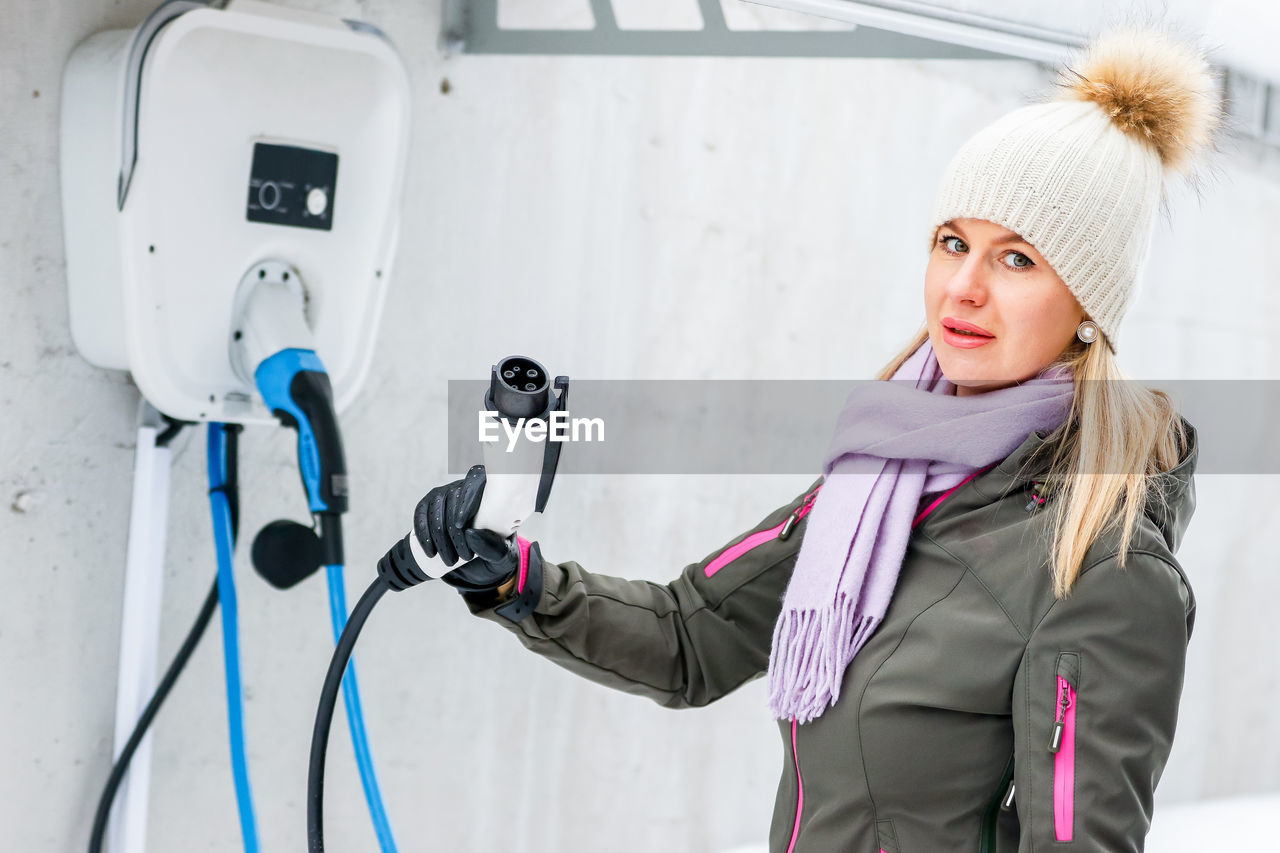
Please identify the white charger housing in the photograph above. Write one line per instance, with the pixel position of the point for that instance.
(213, 139)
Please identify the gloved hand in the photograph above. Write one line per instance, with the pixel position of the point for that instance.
(442, 524)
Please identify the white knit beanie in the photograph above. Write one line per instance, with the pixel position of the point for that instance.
(1080, 176)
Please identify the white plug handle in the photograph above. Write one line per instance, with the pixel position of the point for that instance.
(513, 470)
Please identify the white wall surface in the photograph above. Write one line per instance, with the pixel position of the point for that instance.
(639, 218)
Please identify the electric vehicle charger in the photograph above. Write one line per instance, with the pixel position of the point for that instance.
(217, 134)
(521, 481)
(200, 161)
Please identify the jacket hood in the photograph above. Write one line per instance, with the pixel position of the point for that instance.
(1171, 499)
(1173, 514)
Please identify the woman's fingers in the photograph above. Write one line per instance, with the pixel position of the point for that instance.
(422, 524)
(453, 529)
(469, 501)
(442, 517)
(488, 546)
(438, 497)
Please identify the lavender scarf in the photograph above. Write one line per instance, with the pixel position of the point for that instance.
(894, 441)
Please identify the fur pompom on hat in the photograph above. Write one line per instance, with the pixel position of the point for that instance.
(1080, 175)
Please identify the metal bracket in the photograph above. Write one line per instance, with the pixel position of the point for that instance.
(885, 29)
(471, 26)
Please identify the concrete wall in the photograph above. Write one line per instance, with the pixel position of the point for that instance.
(654, 218)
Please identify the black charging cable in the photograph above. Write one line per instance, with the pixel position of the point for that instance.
(396, 571)
(121, 766)
(324, 711)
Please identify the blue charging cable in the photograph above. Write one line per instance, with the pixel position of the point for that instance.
(222, 538)
(221, 510)
(355, 716)
(295, 386)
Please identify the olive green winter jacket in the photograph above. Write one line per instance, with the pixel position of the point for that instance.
(982, 715)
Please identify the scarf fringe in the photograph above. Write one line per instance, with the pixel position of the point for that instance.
(811, 652)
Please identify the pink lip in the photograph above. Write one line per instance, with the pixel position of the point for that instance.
(962, 341)
(968, 327)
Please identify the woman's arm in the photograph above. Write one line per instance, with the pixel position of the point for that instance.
(682, 644)
(1100, 681)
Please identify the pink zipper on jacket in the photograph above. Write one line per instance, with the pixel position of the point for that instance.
(795, 755)
(1063, 744)
(772, 533)
(755, 540)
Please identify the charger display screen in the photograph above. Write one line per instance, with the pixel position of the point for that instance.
(292, 186)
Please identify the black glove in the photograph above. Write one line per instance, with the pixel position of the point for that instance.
(442, 524)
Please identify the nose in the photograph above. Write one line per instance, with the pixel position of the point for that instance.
(969, 283)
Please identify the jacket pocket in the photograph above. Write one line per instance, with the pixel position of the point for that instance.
(1062, 743)
(1002, 801)
(887, 836)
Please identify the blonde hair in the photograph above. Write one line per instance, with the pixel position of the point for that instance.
(1117, 435)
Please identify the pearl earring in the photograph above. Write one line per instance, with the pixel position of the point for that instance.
(1087, 331)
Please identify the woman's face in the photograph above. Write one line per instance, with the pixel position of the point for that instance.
(986, 275)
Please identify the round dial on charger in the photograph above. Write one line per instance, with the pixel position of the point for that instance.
(317, 201)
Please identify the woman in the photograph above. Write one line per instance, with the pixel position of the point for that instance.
(973, 625)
